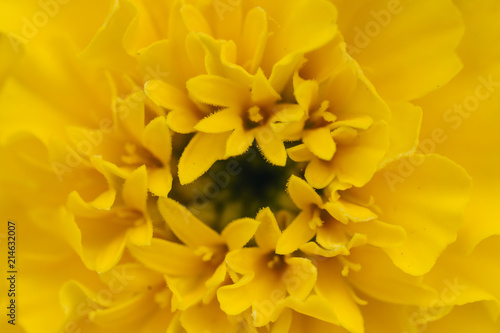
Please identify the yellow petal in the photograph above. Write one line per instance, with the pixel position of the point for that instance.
(357, 162)
(398, 34)
(160, 181)
(246, 260)
(105, 42)
(166, 95)
(268, 233)
(188, 290)
(296, 234)
(299, 277)
(157, 139)
(464, 319)
(217, 91)
(285, 122)
(97, 208)
(126, 313)
(40, 259)
(194, 20)
(86, 142)
(129, 114)
(344, 135)
(202, 151)
(462, 111)
(404, 130)
(102, 249)
(220, 60)
(313, 248)
(462, 278)
(234, 299)
(254, 288)
(148, 318)
(271, 147)
(239, 232)
(381, 279)
(283, 71)
(351, 95)
(300, 153)
(254, 37)
(306, 92)
(314, 306)
(326, 61)
(302, 194)
(176, 326)
(303, 26)
(238, 142)
(10, 47)
(380, 234)
(140, 234)
(186, 226)
(130, 278)
(415, 198)
(319, 173)
(303, 320)
(320, 142)
(263, 293)
(113, 174)
(332, 286)
(228, 23)
(376, 315)
(72, 293)
(89, 16)
(332, 238)
(359, 122)
(262, 91)
(135, 189)
(61, 223)
(159, 62)
(214, 282)
(160, 257)
(16, 95)
(181, 121)
(345, 211)
(220, 121)
(206, 318)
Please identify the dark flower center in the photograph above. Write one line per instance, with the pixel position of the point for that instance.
(237, 187)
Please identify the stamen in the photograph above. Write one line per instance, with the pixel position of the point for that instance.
(254, 114)
(276, 262)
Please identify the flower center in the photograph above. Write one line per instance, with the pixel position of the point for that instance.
(212, 255)
(237, 187)
(256, 116)
(321, 117)
(276, 262)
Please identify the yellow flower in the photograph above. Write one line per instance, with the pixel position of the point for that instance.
(129, 297)
(131, 169)
(263, 278)
(122, 209)
(198, 267)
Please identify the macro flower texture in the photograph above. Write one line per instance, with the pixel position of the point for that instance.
(250, 166)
